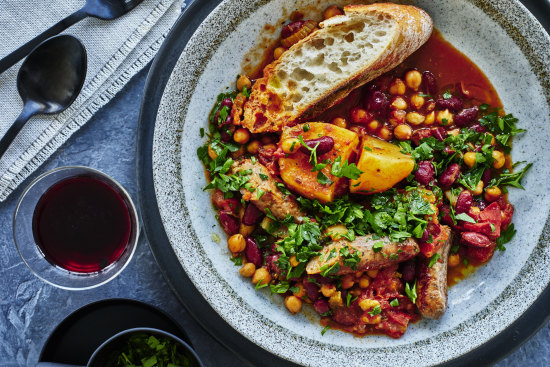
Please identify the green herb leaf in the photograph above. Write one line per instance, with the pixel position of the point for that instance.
(505, 237)
(465, 217)
(447, 95)
(325, 330)
(433, 260)
(411, 291)
(378, 246)
(375, 311)
(394, 302)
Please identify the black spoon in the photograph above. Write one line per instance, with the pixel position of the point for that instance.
(102, 9)
(49, 81)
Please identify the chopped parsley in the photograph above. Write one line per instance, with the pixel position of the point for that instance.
(378, 246)
(433, 260)
(394, 302)
(411, 291)
(325, 330)
(505, 237)
(375, 311)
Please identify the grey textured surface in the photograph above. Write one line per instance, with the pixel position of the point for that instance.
(30, 310)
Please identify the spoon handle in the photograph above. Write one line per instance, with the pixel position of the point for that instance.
(28, 111)
(10, 60)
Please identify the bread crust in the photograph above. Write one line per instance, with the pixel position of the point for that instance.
(264, 112)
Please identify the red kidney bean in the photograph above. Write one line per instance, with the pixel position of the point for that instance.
(454, 104)
(486, 177)
(271, 262)
(321, 306)
(230, 224)
(252, 215)
(425, 173)
(439, 133)
(377, 103)
(450, 175)
(326, 143)
(434, 229)
(225, 137)
(464, 202)
(291, 28)
(478, 128)
(429, 83)
(445, 216)
(312, 290)
(475, 239)
(252, 252)
(466, 116)
(420, 134)
(408, 271)
(227, 102)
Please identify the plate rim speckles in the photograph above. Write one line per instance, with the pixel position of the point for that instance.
(151, 171)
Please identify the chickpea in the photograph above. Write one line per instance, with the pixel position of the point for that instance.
(293, 261)
(474, 210)
(385, 133)
(413, 79)
(430, 118)
(373, 126)
(372, 273)
(364, 282)
(278, 52)
(478, 190)
(241, 136)
(293, 304)
(212, 153)
(340, 122)
(453, 132)
(290, 145)
(335, 300)
(415, 118)
(397, 117)
(452, 198)
(328, 290)
(499, 159)
(360, 116)
(429, 106)
(454, 260)
(399, 103)
(347, 281)
(397, 87)
(368, 304)
(243, 82)
(253, 147)
(417, 101)
(246, 230)
(261, 275)
(492, 193)
(356, 291)
(236, 243)
(301, 290)
(444, 118)
(247, 270)
(359, 274)
(403, 132)
(238, 153)
(332, 11)
(470, 159)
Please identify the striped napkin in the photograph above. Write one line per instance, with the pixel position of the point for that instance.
(117, 50)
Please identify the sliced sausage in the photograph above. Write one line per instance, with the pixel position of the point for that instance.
(266, 194)
(374, 254)
(431, 283)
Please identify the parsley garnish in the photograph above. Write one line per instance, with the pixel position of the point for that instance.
(411, 291)
(325, 330)
(306, 128)
(447, 95)
(378, 246)
(505, 237)
(344, 169)
(238, 261)
(375, 311)
(394, 302)
(259, 285)
(465, 217)
(433, 260)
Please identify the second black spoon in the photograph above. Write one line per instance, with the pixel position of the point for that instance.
(49, 81)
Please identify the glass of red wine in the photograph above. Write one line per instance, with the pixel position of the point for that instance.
(75, 227)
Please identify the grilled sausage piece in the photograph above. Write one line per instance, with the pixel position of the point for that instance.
(374, 254)
(431, 283)
(266, 194)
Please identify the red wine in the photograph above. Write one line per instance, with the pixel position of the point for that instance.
(81, 224)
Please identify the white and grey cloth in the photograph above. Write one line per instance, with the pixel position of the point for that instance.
(117, 50)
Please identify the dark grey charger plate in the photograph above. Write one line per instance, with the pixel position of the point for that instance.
(498, 347)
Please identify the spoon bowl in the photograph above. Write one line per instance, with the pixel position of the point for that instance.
(49, 81)
(53, 74)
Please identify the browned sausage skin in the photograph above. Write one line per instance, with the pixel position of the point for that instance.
(266, 194)
(374, 254)
(431, 282)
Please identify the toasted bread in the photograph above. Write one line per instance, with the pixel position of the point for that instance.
(346, 52)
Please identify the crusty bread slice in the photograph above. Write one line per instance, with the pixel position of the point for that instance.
(346, 52)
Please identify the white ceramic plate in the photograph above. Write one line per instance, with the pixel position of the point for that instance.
(502, 38)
